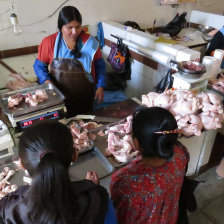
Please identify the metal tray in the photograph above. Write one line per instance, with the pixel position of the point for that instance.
(55, 97)
(93, 160)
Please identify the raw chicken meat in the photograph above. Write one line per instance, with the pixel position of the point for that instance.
(192, 66)
(15, 100)
(184, 107)
(121, 149)
(190, 125)
(31, 99)
(5, 186)
(80, 138)
(164, 100)
(192, 112)
(18, 83)
(41, 95)
(124, 128)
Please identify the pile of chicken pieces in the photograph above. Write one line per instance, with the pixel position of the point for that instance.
(192, 112)
(5, 186)
(81, 137)
(122, 148)
(32, 99)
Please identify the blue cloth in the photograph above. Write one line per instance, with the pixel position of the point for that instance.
(100, 35)
(222, 30)
(110, 98)
(41, 70)
(110, 217)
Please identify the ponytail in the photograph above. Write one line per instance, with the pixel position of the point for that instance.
(49, 197)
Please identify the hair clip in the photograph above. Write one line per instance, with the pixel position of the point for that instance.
(176, 131)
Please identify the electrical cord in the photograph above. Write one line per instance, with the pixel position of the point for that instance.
(39, 21)
(46, 17)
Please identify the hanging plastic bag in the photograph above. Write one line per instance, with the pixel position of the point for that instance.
(176, 25)
(165, 83)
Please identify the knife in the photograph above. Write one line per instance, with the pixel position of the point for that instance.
(97, 118)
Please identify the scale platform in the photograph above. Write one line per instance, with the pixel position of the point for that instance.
(181, 82)
(21, 122)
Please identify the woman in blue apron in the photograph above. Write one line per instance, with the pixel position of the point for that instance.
(76, 63)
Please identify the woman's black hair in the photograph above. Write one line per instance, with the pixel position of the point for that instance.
(67, 15)
(46, 151)
(147, 121)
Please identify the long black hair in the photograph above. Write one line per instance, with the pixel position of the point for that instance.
(46, 151)
(147, 121)
(67, 15)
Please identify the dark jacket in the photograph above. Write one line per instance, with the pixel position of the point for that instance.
(217, 42)
(92, 200)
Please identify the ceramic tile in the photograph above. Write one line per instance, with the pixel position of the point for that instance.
(23, 65)
(215, 211)
(199, 218)
(4, 75)
(212, 189)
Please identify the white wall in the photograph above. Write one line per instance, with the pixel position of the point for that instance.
(143, 12)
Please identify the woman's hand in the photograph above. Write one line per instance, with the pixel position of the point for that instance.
(91, 175)
(99, 94)
(48, 81)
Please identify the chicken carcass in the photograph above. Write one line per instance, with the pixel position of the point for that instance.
(148, 99)
(190, 125)
(183, 107)
(121, 149)
(164, 100)
(211, 120)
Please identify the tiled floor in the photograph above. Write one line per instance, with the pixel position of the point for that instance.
(210, 199)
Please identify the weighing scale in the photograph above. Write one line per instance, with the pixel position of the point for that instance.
(25, 115)
(21, 122)
(6, 142)
(196, 84)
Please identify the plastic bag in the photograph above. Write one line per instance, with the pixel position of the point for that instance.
(176, 25)
(115, 81)
(165, 83)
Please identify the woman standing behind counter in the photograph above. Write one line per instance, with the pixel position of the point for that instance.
(147, 190)
(74, 78)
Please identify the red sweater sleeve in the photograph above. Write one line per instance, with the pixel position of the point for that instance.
(46, 49)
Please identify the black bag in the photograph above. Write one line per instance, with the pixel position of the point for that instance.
(176, 25)
(115, 81)
(165, 83)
